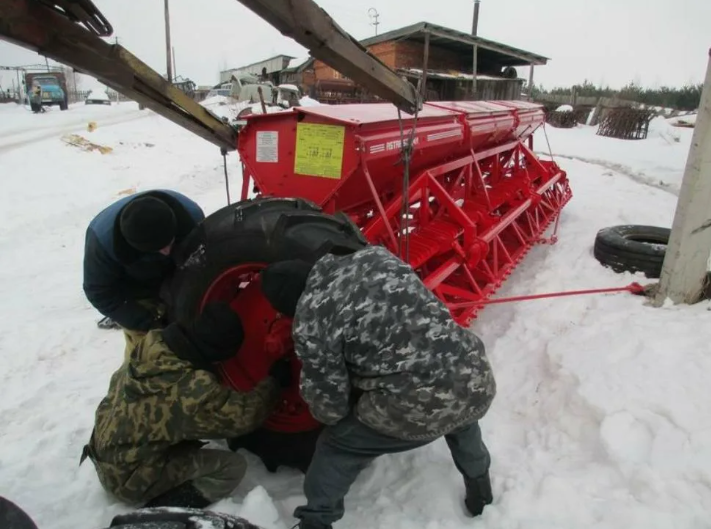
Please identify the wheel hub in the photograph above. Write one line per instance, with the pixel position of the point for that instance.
(267, 338)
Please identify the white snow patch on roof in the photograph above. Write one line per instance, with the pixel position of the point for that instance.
(299, 61)
(306, 101)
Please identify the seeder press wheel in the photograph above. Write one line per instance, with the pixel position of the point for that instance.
(221, 260)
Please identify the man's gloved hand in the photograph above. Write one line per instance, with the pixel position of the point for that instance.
(281, 372)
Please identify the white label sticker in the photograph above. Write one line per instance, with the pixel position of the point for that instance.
(268, 146)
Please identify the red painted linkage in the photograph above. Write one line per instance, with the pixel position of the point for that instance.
(473, 219)
(633, 288)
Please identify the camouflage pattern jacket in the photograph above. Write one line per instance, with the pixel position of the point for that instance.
(367, 326)
(156, 400)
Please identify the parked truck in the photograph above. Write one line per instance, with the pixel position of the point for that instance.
(49, 88)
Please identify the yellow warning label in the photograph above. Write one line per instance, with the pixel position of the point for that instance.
(319, 150)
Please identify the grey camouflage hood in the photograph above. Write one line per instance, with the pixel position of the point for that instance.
(367, 327)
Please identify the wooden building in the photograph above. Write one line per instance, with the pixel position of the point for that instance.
(439, 60)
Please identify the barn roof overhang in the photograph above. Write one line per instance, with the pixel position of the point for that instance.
(440, 36)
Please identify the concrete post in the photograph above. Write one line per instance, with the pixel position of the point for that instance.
(687, 257)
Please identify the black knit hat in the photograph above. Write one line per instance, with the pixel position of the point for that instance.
(215, 336)
(283, 283)
(148, 224)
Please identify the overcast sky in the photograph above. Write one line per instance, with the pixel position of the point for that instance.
(611, 42)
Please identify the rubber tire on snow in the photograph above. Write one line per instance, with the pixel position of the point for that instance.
(263, 230)
(632, 248)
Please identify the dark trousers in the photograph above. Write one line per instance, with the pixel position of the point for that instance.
(343, 450)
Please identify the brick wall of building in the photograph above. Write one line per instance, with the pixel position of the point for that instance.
(405, 54)
(412, 55)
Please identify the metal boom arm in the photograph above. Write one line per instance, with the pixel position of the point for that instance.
(313, 28)
(54, 29)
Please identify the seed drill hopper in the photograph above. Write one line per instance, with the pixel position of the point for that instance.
(476, 198)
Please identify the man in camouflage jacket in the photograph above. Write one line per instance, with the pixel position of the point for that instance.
(163, 400)
(385, 368)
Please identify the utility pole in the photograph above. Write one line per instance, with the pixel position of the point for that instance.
(475, 48)
(175, 70)
(167, 43)
(374, 15)
(686, 260)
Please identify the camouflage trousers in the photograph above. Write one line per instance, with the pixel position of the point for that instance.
(214, 473)
(346, 448)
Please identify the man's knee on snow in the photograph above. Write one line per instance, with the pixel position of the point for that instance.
(224, 473)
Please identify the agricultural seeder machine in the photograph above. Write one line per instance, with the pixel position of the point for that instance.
(453, 188)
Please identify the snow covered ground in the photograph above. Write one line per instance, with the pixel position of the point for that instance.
(600, 419)
(658, 161)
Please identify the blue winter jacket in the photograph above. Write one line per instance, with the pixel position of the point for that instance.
(116, 276)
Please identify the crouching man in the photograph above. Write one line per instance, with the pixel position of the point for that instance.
(385, 368)
(163, 400)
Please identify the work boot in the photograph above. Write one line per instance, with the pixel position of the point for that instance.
(184, 495)
(478, 494)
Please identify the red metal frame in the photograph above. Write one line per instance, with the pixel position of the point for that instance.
(474, 220)
(479, 198)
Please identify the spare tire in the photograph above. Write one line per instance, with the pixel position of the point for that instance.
(632, 248)
(221, 260)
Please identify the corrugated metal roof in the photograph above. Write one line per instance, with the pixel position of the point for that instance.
(451, 38)
(258, 63)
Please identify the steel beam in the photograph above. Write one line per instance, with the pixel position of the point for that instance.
(34, 26)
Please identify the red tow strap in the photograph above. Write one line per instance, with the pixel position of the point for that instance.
(634, 288)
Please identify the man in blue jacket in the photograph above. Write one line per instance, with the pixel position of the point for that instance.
(127, 257)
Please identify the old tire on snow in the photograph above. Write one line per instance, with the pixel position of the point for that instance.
(221, 260)
(632, 248)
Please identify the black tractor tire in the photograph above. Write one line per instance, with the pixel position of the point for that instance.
(63, 105)
(632, 248)
(263, 230)
(14, 517)
(178, 518)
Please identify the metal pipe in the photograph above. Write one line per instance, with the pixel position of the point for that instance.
(475, 22)
(475, 67)
(169, 64)
(530, 84)
(423, 86)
